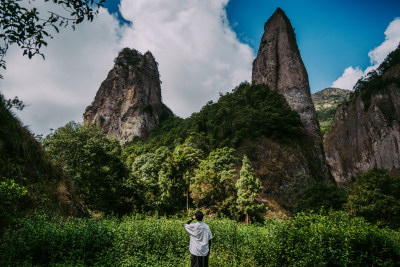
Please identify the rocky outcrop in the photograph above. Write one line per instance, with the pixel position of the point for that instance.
(366, 132)
(279, 65)
(128, 103)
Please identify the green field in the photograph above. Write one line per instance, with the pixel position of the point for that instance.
(332, 239)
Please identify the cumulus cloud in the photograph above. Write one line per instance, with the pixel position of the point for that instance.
(351, 75)
(349, 78)
(198, 54)
(59, 88)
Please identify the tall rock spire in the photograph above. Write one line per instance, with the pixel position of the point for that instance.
(128, 102)
(279, 65)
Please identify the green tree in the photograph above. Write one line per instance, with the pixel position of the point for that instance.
(308, 194)
(187, 157)
(21, 23)
(375, 196)
(162, 186)
(248, 186)
(10, 194)
(213, 185)
(94, 163)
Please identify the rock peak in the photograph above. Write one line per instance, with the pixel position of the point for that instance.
(279, 65)
(128, 102)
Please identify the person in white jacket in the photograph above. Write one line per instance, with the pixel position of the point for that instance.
(200, 240)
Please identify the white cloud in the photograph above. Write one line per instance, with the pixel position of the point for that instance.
(392, 39)
(349, 78)
(198, 54)
(59, 88)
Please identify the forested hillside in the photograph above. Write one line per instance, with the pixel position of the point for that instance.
(326, 102)
(28, 178)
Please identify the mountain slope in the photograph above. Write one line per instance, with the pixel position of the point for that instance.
(326, 102)
(29, 180)
(365, 132)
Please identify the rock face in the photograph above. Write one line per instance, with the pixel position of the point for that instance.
(128, 103)
(365, 131)
(279, 65)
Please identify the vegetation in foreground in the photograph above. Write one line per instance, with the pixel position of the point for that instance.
(332, 239)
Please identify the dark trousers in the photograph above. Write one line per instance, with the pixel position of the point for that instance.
(199, 261)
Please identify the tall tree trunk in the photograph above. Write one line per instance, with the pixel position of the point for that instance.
(187, 190)
(247, 219)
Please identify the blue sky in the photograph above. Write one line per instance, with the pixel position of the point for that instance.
(203, 47)
(331, 35)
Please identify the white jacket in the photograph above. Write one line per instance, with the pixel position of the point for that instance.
(200, 234)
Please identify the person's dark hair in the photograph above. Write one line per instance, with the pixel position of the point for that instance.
(199, 215)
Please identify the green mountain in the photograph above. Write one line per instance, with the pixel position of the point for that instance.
(326, 101)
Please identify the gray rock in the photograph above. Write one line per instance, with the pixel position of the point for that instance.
(366, 137)
(279, 65)
(128, 103)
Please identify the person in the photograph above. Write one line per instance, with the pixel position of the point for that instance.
(200, 240)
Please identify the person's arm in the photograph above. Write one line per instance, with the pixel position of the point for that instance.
(188, 228)
(209, 246)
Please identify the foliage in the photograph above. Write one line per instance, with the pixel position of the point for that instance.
(248, 112)
(128, 57)
(374, 83)
(203, 162)
(187, 157)
(375, 196)
(10, 194)
(94, 163)
(213, 185)
(22, 25)
(25, 169)
(309, 194)
(325, 118)
(306, 240)
(248, 186)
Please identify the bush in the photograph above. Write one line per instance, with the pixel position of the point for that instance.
(306, 240)
(375, 196)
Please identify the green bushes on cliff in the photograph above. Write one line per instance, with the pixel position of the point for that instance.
(374, 82)
(249, 111)
(306, 240)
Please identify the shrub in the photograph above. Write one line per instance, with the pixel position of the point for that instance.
(375, 196)
(313, 239)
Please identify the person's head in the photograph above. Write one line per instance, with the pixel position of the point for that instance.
(199, 215)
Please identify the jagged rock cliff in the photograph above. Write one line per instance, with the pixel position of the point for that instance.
(279, 65)
(366, 131)
(128, 103)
